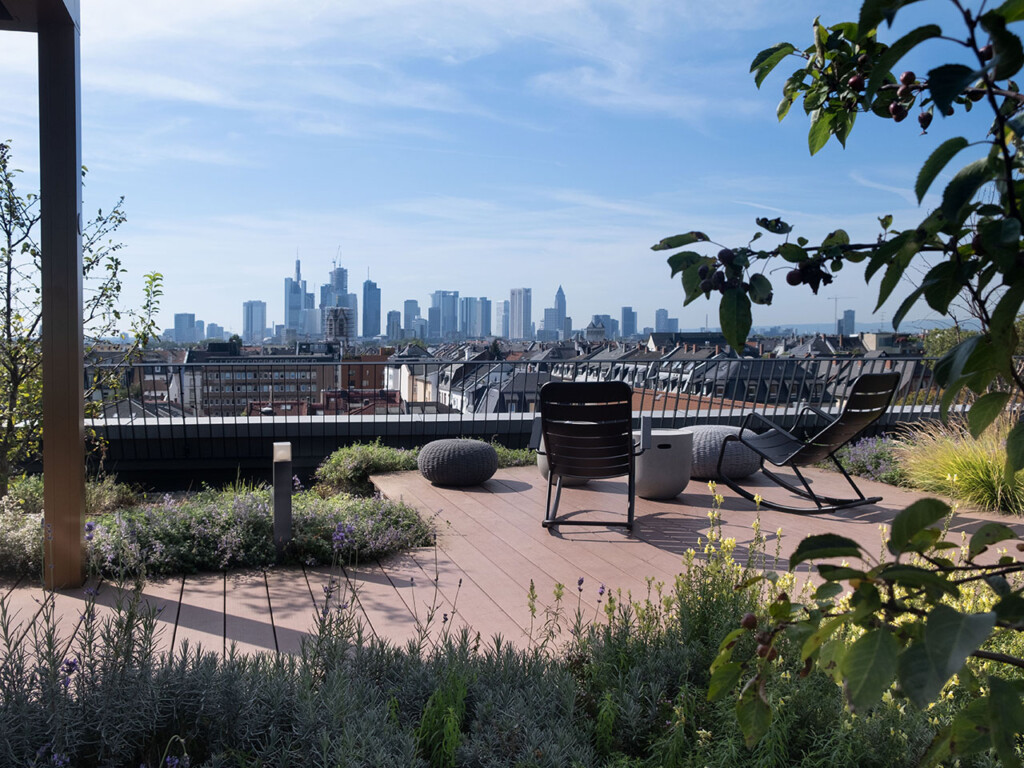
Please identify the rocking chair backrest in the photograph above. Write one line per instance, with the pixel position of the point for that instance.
(587, 428)
(869, 397)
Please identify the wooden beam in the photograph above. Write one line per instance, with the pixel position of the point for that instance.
(60, 164)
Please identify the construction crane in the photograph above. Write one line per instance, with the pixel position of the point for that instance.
(835, 309)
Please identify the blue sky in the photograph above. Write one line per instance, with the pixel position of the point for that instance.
(460, 145)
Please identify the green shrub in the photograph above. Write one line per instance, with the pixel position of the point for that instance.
(946, 459)
(348, 469)
(102, 494)
(871, 457)
(214, 530)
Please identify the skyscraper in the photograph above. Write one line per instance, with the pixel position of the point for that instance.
(185, 328)
(295, 300)
(484, 317)
(520, 320)
(447, 304)
(254, 322)
(560, 307)
(411, 310)
(394, 326)
(503, 313)
(628, 322)
(371, 309)
(661, 321)
(847, 325)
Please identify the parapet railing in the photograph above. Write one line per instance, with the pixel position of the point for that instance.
(229, 414)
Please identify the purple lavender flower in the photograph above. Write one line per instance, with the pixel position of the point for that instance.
(89, 528)
(342, 533)
(579, 584)
(59, 759)
(444, 618)
(600, 591)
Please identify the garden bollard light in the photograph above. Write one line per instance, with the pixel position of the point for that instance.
(282, 497)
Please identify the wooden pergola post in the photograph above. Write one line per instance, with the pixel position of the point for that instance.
(60, 163)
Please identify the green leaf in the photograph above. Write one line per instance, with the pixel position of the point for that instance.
(678, 241)
(1011, 10)
(947, 82)
(784, 106)
(1015, 449)
(839, 572)
(823, 546)
(682, 261)
(768, 59)
(1009, 55)
(987, 535)
(792, 252)
(776, 226)
(838, 237)
(821, 129)
(938, 750)
(1010, 609)
(820, 635)
(734, 317)
(753, 712)
(760, 288)
(895, 270)
(985, 410)
(938, 160)
(970, 731)
(917, 516)
(942, 284)
(691, 284)
(885, 252)
(895, 52)
(873, 12)
(869, 668)
(963, 187)
(906, 306)
(723, 680)
(912, 577)
(1006, 719)
(828, 590)
(949, 638)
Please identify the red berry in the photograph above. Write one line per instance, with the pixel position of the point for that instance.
(986, 53)
(925, 119)
(898, 111)
(793, 277)
(904, 92)
(908, 77)
(749, 621)
(856, 82)
(773, 654)
(762, 650)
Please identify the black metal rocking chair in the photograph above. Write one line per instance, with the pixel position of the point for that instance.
(588, 434)
(869, 397)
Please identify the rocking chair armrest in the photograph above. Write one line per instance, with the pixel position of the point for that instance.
(535, 437)
(770, 424)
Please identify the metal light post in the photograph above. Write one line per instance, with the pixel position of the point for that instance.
(282, 497)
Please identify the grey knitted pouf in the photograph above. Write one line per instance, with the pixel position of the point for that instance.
(457, 462)
(739, 460)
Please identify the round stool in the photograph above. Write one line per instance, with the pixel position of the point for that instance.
(457, 462)
(739, 460)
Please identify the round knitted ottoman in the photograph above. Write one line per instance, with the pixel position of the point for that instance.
(457, 462)
(739, 460)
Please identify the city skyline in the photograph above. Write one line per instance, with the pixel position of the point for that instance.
(478, 146)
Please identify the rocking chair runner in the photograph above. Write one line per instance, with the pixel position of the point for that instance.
(870, 395)
(588, 434)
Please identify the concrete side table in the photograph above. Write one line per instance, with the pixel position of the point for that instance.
(663, 470)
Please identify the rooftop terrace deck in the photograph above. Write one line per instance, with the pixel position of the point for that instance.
(490, 546)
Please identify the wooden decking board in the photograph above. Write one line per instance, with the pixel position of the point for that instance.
(248, 622)
(111, 598)
(292, 606)
(534, 497)
(474, 605)
(489, 549)
(201, 616)
(598, 555)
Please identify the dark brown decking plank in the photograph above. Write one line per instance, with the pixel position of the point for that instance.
(247, 617)
(201, 614)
